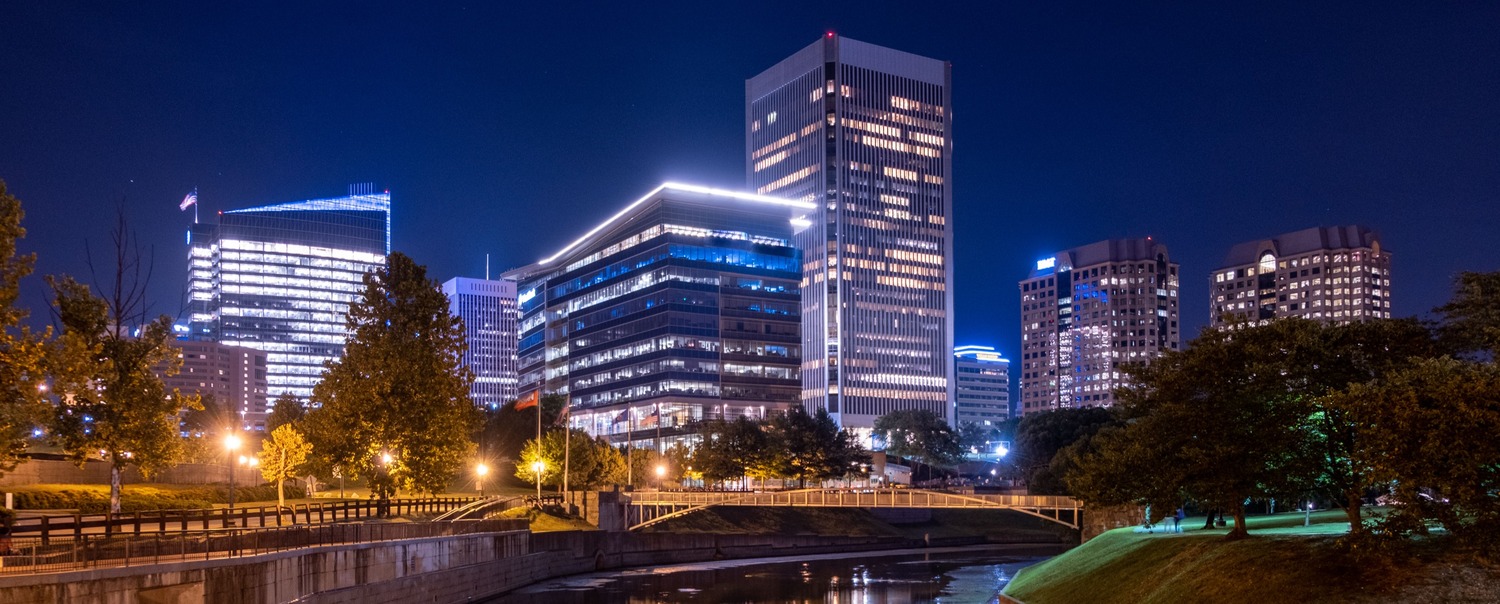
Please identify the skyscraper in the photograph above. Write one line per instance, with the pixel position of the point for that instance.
(488, 309)
(235, 376)
(1089, 310)
(864, 133)
(280, 278)
(681, 307)
(983, 390)
(1333, 274)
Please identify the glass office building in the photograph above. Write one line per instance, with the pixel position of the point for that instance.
(864, 132)
(1089, 310)
(983, 392)
(681, 307)
(280, 278)
(488, 309)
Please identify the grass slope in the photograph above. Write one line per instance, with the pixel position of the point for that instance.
(1282, 562)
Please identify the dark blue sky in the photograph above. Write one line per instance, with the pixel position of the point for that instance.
(509, 130)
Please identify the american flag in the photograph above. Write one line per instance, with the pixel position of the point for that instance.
(191, 199)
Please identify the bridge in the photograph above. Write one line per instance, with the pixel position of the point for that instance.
(644, 509)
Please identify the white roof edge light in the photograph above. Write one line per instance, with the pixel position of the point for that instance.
(673, 186)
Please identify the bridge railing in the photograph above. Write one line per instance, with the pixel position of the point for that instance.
(28, 555)
(264, 516)
(850, 498)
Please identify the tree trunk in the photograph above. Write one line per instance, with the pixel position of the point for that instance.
(1208, 522)
(1351, 509)
(1240, 531)
(114, 488)
(280, 495)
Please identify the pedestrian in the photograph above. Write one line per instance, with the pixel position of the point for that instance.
(1177, 521)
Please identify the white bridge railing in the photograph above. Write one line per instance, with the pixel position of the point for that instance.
(648, 508)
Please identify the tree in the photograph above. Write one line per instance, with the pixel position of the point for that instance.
(401, 391)
(1040, 437)
(591, 462)
(282, 456)
(731, 449)
(286, 411)
(919, 434)
(506, 430)
(1429, 430)
(810, 447)
(1471, 320)
(112, 403)
(22, 353)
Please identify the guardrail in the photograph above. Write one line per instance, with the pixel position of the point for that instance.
(136, 523)
(24, 555)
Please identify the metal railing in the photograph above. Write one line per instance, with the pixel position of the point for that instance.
(29, 555)
(651, 507)
(136, 523)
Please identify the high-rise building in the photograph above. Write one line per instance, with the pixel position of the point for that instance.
(864, 132)
(1330, 274)
(280, 278)
(983, 392)
(1089, 310)
(235, 376)
(488, 309)
(681, 307)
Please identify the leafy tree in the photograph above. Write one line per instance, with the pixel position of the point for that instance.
(285, 411)
(22, 353)
(1471, 320)
(674, 464)
(1040, 437)
(731, 449)
(919, 434)
(282, 456)
(975, 437)
(1429, 430)
(506, 430)
(590, 462)
(112, 403)
(401, 390)
(810, 446)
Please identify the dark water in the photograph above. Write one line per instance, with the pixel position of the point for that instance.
(959, 575)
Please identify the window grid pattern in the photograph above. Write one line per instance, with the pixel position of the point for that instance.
(490, 316)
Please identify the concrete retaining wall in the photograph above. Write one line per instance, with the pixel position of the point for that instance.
(43, 471)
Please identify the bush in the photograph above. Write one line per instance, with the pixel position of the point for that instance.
(94, 499)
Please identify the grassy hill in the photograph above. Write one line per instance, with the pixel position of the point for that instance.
(1282, 562)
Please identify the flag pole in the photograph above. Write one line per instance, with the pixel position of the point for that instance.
(629, 457)
(567, 443)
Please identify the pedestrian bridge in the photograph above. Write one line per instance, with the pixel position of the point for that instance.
(644, 509)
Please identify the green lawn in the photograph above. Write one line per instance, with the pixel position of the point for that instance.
(1282, 561)
(542, 522)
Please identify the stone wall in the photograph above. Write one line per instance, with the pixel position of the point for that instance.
(1098, 519)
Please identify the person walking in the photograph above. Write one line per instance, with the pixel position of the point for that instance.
(1177, 521)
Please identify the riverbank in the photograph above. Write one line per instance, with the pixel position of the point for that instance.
(1282, 561)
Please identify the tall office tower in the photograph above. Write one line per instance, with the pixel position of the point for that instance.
(280, 278)
(864, 132)
(1089, 310)
(1333, 274)
(235, 376)
(488, 309)
(681, 307)
(983, 391)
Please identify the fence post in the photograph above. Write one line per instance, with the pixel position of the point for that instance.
(46, 538)
(161, 521)
(137, 518)
(77, 527)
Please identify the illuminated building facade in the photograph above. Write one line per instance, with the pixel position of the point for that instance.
(488, 309)
(1332, 274)
(681, 307)
(235, 376)
(864, 133)
(983, 386)
(1089, 310)
(280, 278)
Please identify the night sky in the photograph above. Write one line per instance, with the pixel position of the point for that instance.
(507, 130)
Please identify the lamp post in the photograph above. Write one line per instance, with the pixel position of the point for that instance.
(231, 444)
(479, 471)
(382, 504)
(661, 474)
(1307, 516)
(536, 466)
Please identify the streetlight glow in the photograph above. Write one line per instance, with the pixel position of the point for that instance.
(386, 458)
(661, 471)
(481, 469)
(1001, 451)
(232, 442)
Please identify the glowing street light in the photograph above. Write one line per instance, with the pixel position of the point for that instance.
(385, 458)
(1001, 451)
(661, 472)
(480, 470)
(537, 466)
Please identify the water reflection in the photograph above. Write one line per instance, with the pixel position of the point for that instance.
(957, 576)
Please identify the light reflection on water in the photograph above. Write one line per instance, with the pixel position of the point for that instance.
(950, 576)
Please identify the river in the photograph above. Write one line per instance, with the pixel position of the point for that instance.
(960, 575)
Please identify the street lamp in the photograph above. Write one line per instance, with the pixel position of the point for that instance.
(661, 473)
(536, 466)
(480, 470)
(1001, 451)
(231, 444)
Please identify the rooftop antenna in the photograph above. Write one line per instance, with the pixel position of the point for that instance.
(486, 267)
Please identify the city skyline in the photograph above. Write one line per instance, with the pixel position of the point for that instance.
(1262, 131)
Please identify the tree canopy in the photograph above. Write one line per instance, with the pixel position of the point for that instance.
(22, 353)
(919, 434)
(400, 390)
(282, 455)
